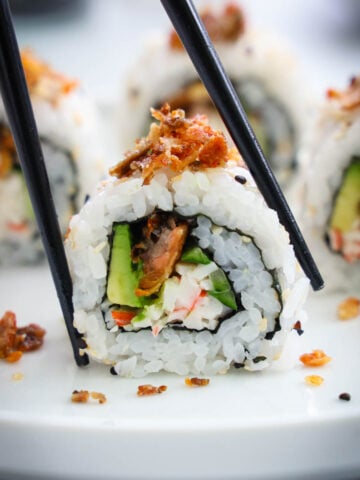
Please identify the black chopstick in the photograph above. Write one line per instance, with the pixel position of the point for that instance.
(200, 49)
(23, 128)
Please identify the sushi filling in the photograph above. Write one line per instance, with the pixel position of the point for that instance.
(16, 213)
(343, 232)
(185, 273)
(271, 124)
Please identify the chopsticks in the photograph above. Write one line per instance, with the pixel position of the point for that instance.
(200, 49)
(23, 128)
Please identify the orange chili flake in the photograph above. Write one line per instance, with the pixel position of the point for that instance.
(196, 382)
(349, 308)
(315, 380)
(317, 358)
(145, 390)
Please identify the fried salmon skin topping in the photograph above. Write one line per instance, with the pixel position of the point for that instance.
(225, 26)
(176, 143)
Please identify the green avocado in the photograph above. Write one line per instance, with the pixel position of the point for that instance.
(123, 276)
(347, 202)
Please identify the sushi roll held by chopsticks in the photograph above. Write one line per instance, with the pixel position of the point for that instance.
(331, 187)
(68, 131)
(177, 263)
(262, 70)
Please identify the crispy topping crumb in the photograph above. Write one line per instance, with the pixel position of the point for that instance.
(196, 382)
(345, 396)
(297, 326)
(175, 144)
(349, 308)
(315, 359)
(14, 356)
(100, 397)
(146, 390)
(348, 99)
(226, 26)
(83, 396)
(315, 380)
(16, 340)
(42, 80)
(17, 376)
(80, 396)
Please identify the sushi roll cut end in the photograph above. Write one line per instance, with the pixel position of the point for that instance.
(172, 267)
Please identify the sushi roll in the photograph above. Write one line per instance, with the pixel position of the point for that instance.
(178, 264)
(68, 131)
(330, 187)
(254, 60)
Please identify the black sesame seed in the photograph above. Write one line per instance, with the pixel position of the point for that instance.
(113, 371)
(345, 396)
(258, 359)
(239, 365)
(240, 179)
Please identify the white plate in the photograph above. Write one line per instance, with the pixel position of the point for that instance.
(243, 425)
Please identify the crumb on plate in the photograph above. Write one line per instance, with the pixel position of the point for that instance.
(100, 397)
(17, 376)
(14, 340)
(317, 358)
(196, 382)
(83, 396)
(314, 380)
(349, 308)
(145, 390)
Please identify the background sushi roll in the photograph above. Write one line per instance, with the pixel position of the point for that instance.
(178, 264)
(263, 71)
(329, 192)
(68, 131)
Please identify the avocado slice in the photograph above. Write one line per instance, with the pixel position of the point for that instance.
(123, 274)
(222, 290)
(347, 202)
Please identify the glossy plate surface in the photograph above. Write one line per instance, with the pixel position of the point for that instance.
(263, 425)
